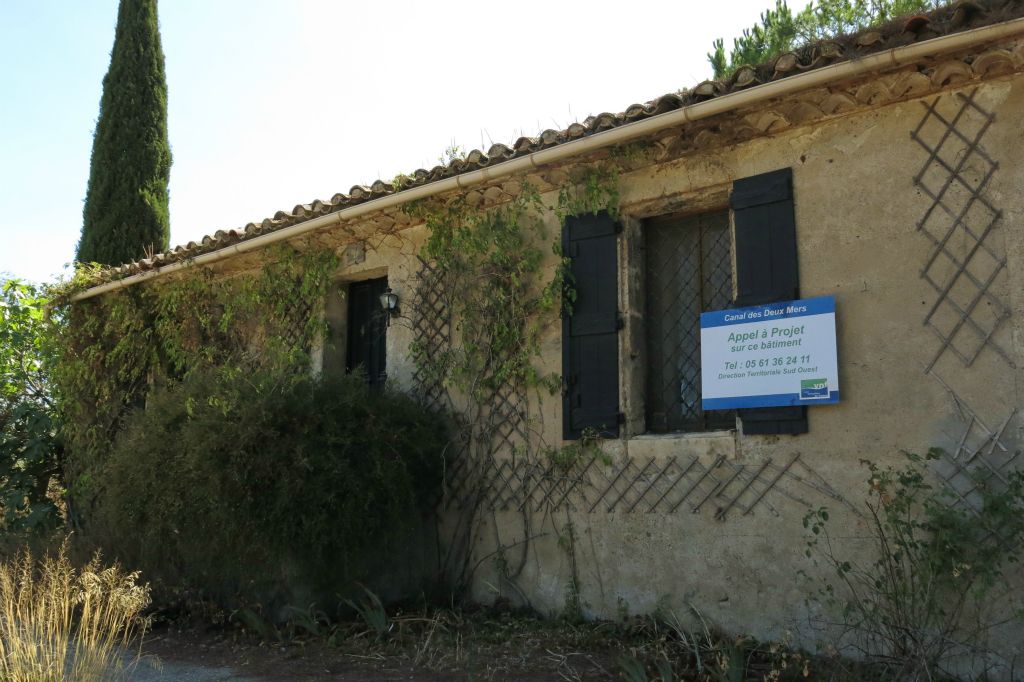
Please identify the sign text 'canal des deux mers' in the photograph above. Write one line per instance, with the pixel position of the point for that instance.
(770, 355)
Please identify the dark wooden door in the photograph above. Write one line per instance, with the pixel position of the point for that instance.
(367, 331)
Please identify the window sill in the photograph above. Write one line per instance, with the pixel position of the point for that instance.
(685, 435)
(710, 444)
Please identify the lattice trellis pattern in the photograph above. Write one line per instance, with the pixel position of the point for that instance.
(962, 224)
(505, 419)
(967, 269)
(650, 485)
(983, 458)
(432, 329)
(492, 476)
(295, 319)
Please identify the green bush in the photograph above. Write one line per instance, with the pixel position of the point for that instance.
(30, 448)
(262, 488)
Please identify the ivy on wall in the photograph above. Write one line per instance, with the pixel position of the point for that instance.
(491, 261)
(112, 349)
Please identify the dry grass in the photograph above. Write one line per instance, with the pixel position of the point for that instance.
(58, 622)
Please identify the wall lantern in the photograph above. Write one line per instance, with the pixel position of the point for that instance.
(389, 303)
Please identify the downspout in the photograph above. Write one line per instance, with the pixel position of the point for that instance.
(888, 59)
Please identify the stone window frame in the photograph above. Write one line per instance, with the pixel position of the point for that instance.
(633, 341)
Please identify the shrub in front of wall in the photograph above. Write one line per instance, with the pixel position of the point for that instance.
(943, 580)
(263, 488)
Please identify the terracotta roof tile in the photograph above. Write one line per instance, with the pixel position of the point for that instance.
(963, 15)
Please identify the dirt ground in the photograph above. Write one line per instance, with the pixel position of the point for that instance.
(473, 643)
(195, 656)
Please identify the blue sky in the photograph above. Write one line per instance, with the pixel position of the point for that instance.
(275, 103)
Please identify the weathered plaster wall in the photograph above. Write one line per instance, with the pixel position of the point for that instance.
(858, 211)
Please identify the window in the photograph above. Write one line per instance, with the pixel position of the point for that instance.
(688, 271)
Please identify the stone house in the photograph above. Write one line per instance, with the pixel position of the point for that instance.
(883, 170)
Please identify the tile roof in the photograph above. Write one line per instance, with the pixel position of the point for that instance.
(961, 16)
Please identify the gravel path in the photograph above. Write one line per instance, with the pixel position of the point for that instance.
(151, 669)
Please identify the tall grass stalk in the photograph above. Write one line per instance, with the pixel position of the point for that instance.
(59, 623)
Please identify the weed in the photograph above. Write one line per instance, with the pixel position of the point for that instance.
(622, 609)
(254, 622)
(486, 643)
(310, 620)
(926, 598)
(634, 670)
(573, 611)
(372, 613)
(577, 453)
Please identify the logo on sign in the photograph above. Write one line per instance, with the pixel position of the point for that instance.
(813, 389)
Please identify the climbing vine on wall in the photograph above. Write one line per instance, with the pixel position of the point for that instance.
(112, 349)
(493, 263)
(501, 294)
(492, 260)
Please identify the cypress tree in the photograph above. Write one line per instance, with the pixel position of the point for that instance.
(126, 205)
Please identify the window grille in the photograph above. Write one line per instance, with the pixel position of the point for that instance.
(688, 271)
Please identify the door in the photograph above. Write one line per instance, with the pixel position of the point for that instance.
(367, 331)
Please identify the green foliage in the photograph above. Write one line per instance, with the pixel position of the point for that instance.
(490, 262)
(693, 650)
(257, 624)
(310, 621)
(777, 32)
(573, 609)
(113, 348)
(266, 487)
(780, 30)
(634, 670)
(452, 153)
(126, 210)
(830, 18)
(577, 453)
(201, 351)
(502, 291)
(30, 449)
(596, 189)
(928, 595)
(372, 612)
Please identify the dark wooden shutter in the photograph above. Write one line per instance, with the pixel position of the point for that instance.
(590, 343)
(766, 270)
